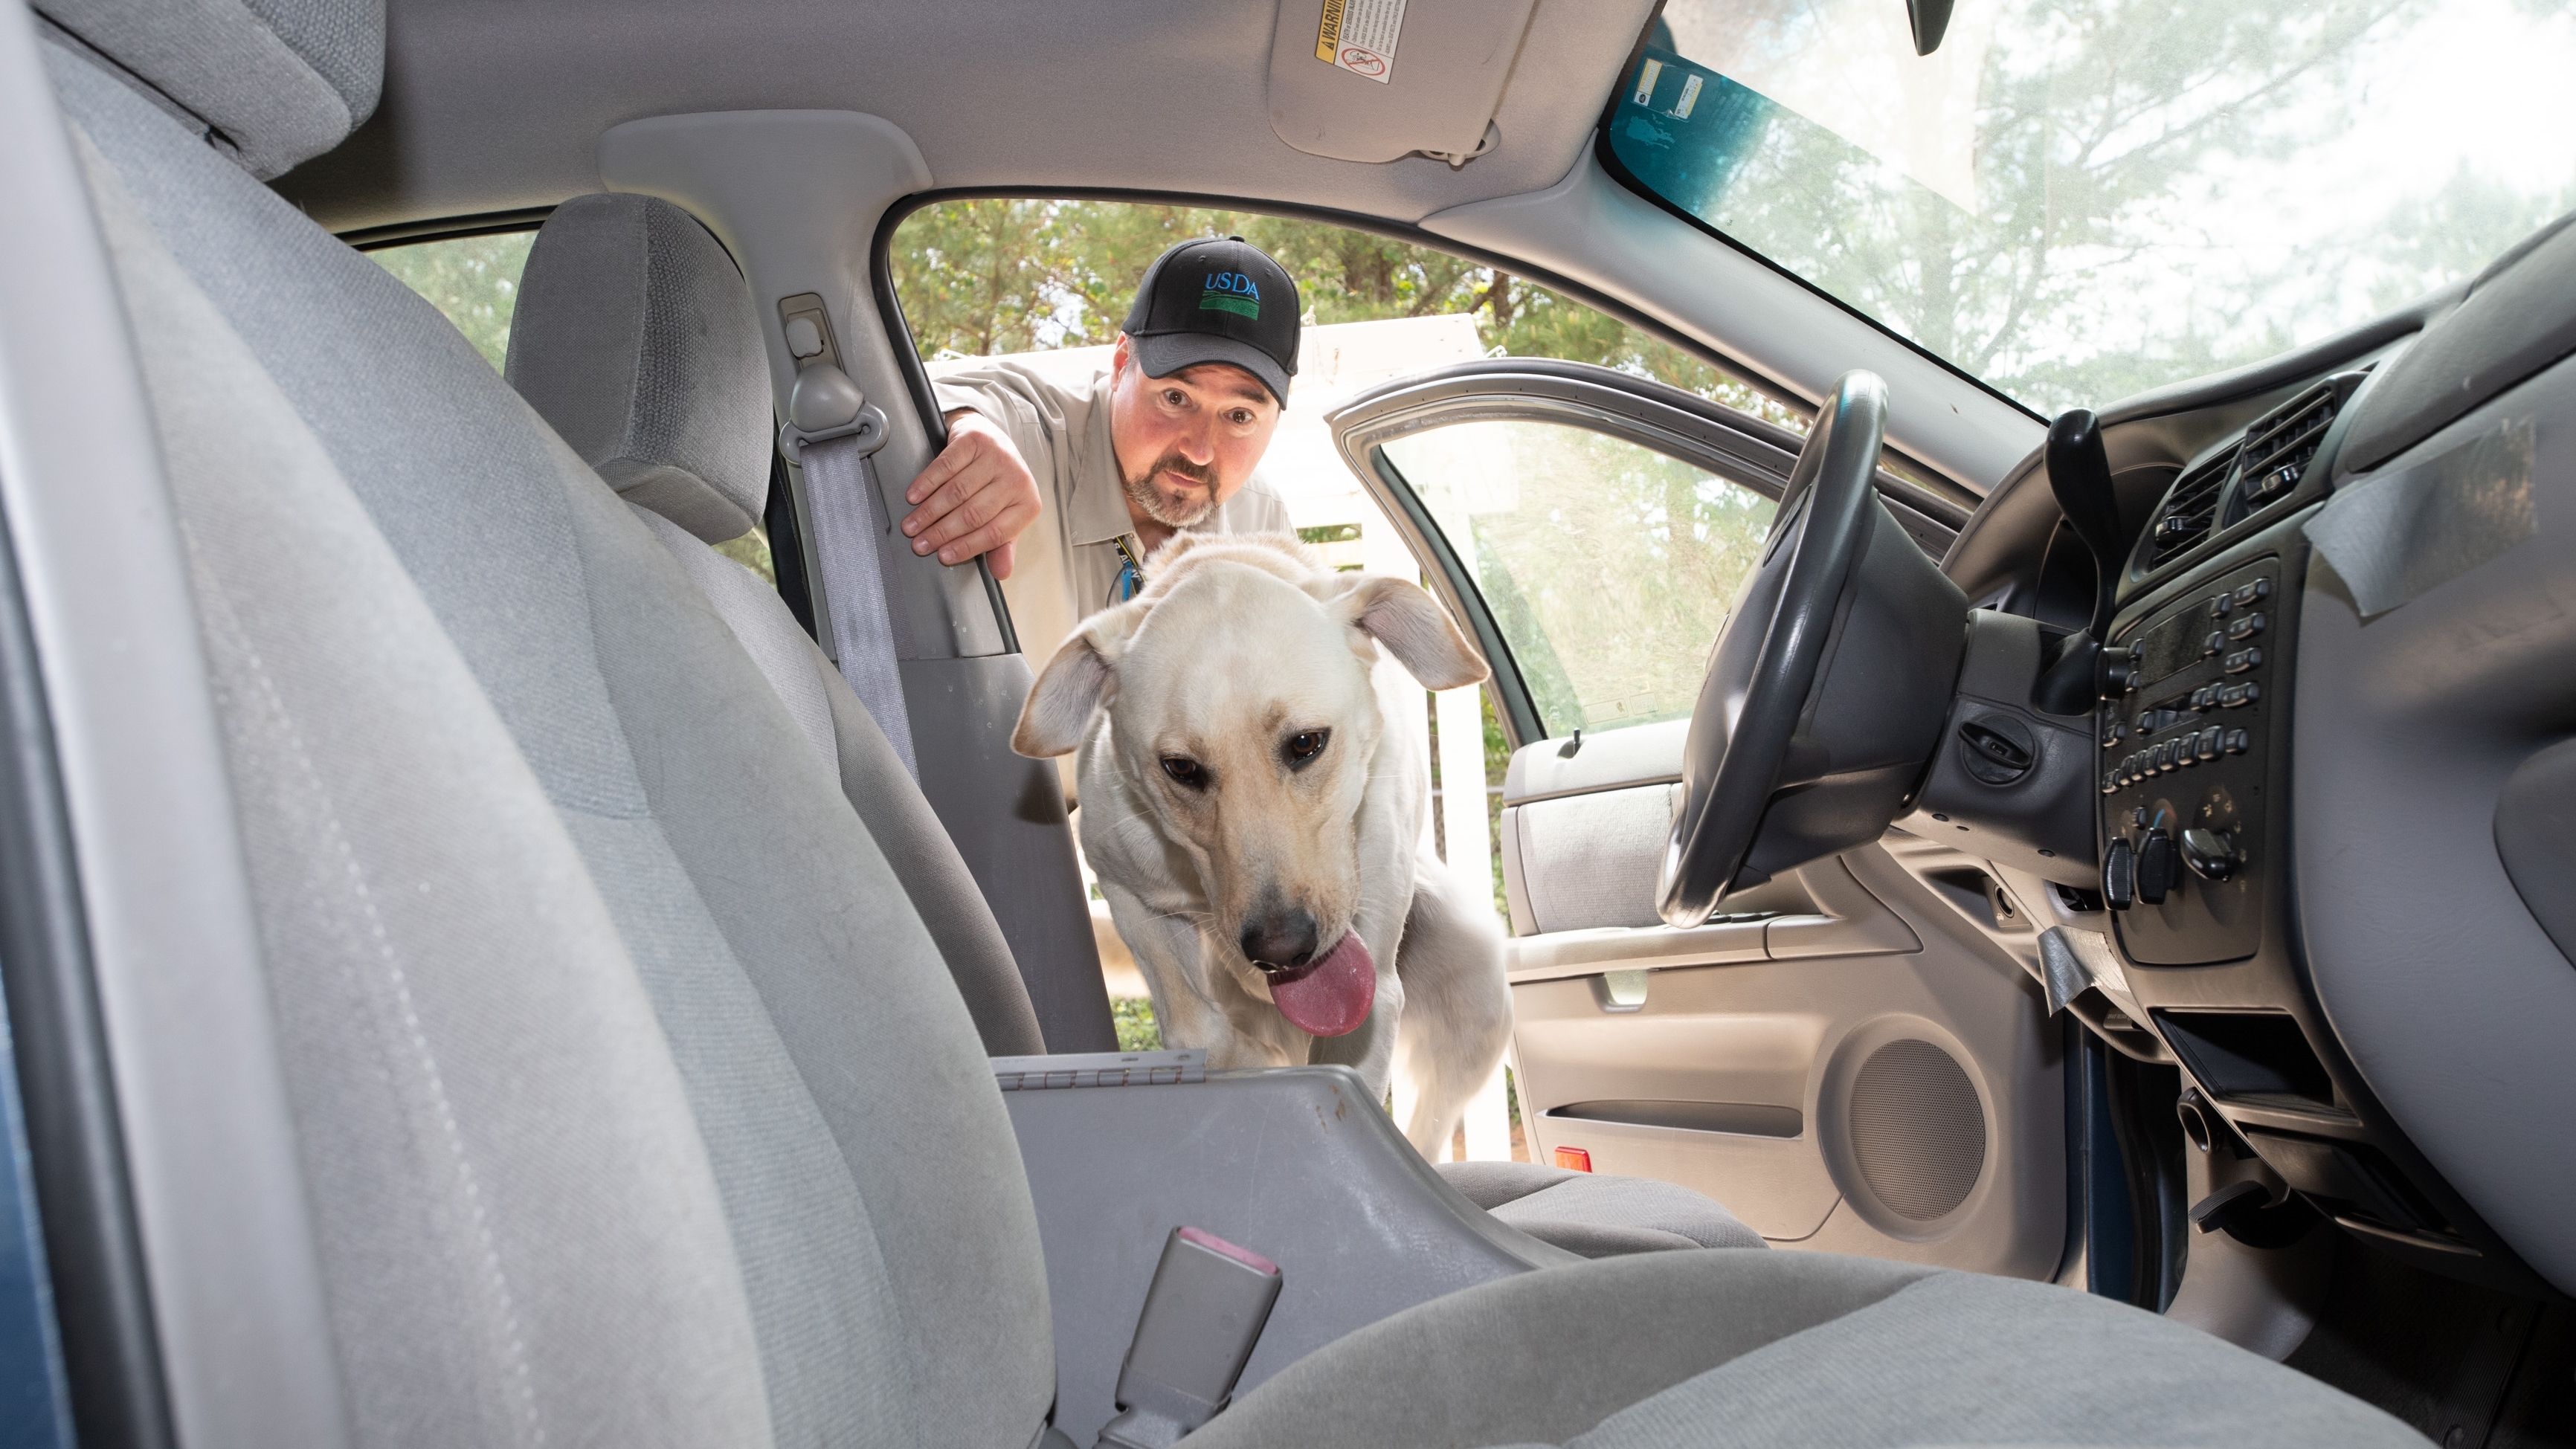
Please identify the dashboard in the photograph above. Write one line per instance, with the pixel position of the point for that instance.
(2333, 821)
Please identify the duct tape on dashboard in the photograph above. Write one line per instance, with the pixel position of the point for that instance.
(2397, 537)
(2071, 961)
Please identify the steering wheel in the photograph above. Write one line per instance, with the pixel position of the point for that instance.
(1826, 692)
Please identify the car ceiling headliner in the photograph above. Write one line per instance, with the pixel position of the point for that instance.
(498, 105)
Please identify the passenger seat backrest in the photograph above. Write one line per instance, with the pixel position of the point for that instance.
(633, 1100)
(611, 274)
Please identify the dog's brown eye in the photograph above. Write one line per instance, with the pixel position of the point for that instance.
(1304, 746)
(1186, 771)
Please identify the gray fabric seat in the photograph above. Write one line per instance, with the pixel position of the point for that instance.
(635, 336)
(635, 1102)
(1598, 1216)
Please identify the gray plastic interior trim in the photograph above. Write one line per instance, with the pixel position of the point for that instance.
(1848, 920)
(1296, 1164)
(2264, 1300)
(2041, 822)
(1006, 814)
(795, 196)
(1646, 754)
(1590, 229)
(2450, 998)
(1556, 954)
(2408, 530)
(2535, 833)
(245, 1341)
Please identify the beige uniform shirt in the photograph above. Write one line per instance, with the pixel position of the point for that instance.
(1068, 560)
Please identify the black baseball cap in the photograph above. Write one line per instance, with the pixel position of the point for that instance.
(1217, 299)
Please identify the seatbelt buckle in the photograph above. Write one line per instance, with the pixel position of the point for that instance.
(1204, 1312)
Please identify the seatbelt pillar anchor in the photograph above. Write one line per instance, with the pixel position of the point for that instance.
(824, 404)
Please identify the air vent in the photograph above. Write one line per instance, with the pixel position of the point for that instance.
(2278, 448)
(2189, 509)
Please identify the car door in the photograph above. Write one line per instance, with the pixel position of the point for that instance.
(1853, 1057)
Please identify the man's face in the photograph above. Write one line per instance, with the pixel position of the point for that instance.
(1186, 442)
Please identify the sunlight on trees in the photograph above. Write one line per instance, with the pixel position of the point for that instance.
(2161, 187)
(474, 280)
(988, 276)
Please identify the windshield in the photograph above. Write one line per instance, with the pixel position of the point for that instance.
(2073, 200)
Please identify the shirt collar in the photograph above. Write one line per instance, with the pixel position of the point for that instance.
(1098, 512)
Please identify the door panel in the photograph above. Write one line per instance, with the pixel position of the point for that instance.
(1849, 1059)
(1919, 1063)
(1590, 860)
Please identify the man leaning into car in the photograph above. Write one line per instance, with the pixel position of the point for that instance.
(1071, 489)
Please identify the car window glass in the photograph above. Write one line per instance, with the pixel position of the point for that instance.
(474, 282)
(2075, 200)
(1608, 566)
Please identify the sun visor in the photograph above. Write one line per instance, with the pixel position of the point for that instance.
(1372, 80)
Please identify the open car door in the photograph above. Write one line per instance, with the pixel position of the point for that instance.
(1854, 1056)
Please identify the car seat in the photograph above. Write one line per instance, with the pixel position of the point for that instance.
(632, 1101)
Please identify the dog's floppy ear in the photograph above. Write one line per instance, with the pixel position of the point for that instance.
(1078, 682)
(1412, 626)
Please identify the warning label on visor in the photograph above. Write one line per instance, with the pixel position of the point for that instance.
(1359, 36)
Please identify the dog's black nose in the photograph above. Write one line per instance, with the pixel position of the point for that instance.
(1279, 938)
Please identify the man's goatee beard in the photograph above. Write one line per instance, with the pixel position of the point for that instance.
(1160, 507)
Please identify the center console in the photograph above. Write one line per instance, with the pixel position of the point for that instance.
(2183, 746)
(2192, 772)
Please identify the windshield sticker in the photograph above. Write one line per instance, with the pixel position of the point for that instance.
(1646, 78)
(1359, 36)
(1690, 98)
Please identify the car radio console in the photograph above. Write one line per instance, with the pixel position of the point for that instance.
(2183, 741)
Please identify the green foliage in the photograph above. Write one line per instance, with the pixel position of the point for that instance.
(997, 275)
(752, 552)
(474, 280)
(1609, 566)
(1137, 1031)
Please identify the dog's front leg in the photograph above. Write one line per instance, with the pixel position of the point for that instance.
(1191, 999)
(1461, 1020)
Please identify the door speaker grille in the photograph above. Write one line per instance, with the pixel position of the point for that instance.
(1918, 1132)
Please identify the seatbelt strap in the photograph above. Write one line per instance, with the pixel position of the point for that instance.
(834, 433)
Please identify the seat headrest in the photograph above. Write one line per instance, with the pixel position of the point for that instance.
(635, 337)
(275, 81)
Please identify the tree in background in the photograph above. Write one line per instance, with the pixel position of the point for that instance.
(989, 276)
(2120, 145)
(474, 280)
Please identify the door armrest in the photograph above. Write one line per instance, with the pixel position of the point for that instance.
(1295, 1163)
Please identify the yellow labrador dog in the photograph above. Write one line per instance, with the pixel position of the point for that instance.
(1258, 838)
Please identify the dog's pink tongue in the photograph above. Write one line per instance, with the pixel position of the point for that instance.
(1335, 997)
